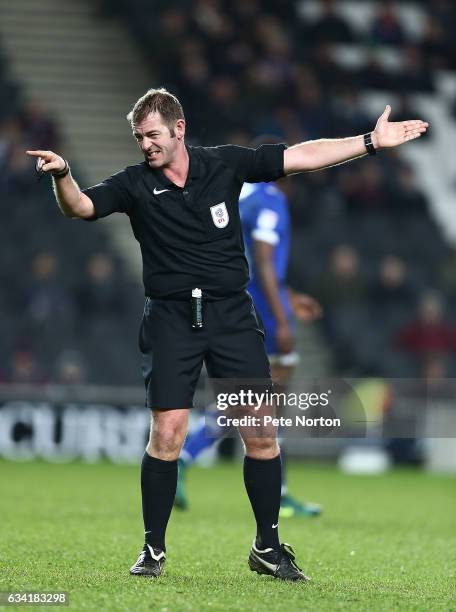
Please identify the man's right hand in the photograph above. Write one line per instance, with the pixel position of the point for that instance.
(48, 161)
(72, 202)
(284, 338)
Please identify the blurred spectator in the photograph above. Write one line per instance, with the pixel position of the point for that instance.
(444, 12)
(17, 174)
(39, 127)
(23, 368)
(330, 26)
(29, 128)
(430, 332)
(244, 11)
(209, 18)
(386, 26)
(408, 199)
(101, 294)
(314, 197)
(350, 115)
(434, 47)
(69, 369)
(392, 290)
(435, 367)
(163, 33)
(415, 75)
(447, 275)
(342, 282)
(341, 289)
(331, 74)
(195, 73)
(224, 94)
(10, 134)
(373, 75)
(366, 189)
(316, 114)
(47, 302)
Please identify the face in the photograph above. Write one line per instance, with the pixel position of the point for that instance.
(157, 143)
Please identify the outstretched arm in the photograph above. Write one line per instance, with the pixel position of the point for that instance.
(71, 201)
(319, 154)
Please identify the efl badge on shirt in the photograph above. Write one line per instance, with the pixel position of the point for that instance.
(220, 215)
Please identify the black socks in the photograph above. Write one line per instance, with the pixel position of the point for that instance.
(158, 488)
(262, 479)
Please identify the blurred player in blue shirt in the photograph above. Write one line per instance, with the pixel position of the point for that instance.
(266, 228)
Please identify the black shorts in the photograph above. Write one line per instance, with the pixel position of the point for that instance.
(231, 343)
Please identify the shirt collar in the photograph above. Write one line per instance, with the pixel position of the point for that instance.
(194, 168)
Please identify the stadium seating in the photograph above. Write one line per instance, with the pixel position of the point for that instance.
(294, 70)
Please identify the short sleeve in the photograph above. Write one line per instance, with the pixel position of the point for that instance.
(112, 195)
(267, 226)
(263, 164)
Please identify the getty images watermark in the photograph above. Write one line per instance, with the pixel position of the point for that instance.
(259, 408)
(371, 407)
(260, 402)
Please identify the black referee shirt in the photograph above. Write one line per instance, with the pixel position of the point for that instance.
(190, 236)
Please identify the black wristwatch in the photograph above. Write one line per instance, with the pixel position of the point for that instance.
(61, 173)
(371, 150)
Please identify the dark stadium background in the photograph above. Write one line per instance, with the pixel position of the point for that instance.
(374, 241)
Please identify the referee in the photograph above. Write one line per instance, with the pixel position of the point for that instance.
(183, 207)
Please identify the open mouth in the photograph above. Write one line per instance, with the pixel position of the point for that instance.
(152, 154)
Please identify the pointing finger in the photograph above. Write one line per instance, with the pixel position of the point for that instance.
(37, 153)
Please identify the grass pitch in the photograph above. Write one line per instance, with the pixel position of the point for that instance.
(383, 543)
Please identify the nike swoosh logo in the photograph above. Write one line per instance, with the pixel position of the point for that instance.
(159, 191)
(271, 566)
(154, 556)
(275, 526)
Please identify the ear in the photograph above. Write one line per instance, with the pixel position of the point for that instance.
(180, 129)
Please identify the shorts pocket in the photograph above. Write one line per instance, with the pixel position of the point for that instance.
(256, 316)
(145, 327)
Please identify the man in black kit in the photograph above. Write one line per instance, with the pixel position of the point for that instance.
(183, 207)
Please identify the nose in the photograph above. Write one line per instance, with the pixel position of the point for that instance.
(146, 143)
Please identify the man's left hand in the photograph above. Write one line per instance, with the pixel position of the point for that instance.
(394, 133)
(305, 308)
